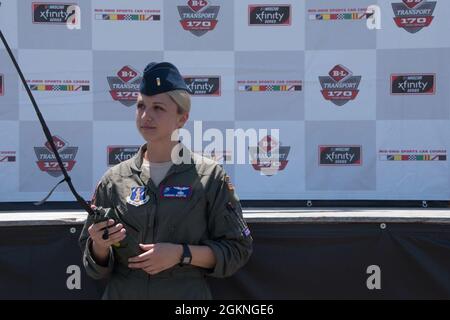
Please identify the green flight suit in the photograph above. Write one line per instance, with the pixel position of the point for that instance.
(204, 217)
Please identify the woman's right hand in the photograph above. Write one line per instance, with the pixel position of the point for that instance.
(116, 234)
(101, 247)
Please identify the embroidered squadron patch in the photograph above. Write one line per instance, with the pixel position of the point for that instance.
(178, 192)
(138, 196)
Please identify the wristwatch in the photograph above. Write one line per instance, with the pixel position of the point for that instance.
(187, 256)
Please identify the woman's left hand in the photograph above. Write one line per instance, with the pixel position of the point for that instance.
(156, 257)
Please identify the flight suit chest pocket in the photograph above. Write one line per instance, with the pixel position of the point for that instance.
(135, 218)
(182, 220)
(180, 206)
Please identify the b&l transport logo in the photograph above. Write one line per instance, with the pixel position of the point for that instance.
(203, 85)
(198, 16)
(413, 15)
(126, 15)
(2, 82)
(125, 86)
(413, 84)
(340, 86)
(412, 155)
(269, 85)
(269, 15)
(341, 155)
(55, 13)
(117, 154)
(337, 15)
(59, 85)
(47, 161)
(7, 156)
(269, 156)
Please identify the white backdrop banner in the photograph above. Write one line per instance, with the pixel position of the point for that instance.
(359, 98)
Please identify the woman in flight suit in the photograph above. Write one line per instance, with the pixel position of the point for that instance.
(176, 217)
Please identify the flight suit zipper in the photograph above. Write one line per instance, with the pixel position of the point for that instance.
(155, 220)
(151, 210)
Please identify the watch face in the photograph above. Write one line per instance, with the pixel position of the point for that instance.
(186, 260)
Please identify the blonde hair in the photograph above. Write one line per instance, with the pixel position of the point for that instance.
(182, 99)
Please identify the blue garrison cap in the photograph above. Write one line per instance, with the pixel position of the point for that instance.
(161, 77)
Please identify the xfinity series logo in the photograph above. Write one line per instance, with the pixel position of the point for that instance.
(340, 155)
(2, 90)
(55, 13)
(47, 161)
(264, 15)
(412, 84)
(117, 154)
(340, 86)
(7, 156)
(198, 17)
(203, 85)
(125, 86)
(269, 156)
(413, 15)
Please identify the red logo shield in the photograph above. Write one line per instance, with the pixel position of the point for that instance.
(339, 72)
(412, 3)
(268, 143)
(59, 143)
(197, 5)
(127, 73)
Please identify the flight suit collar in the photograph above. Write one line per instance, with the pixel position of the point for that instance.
(136, 165)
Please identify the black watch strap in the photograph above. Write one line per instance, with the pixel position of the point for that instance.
(187, 256)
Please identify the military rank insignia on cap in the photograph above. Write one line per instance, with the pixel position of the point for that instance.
(161, 77)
